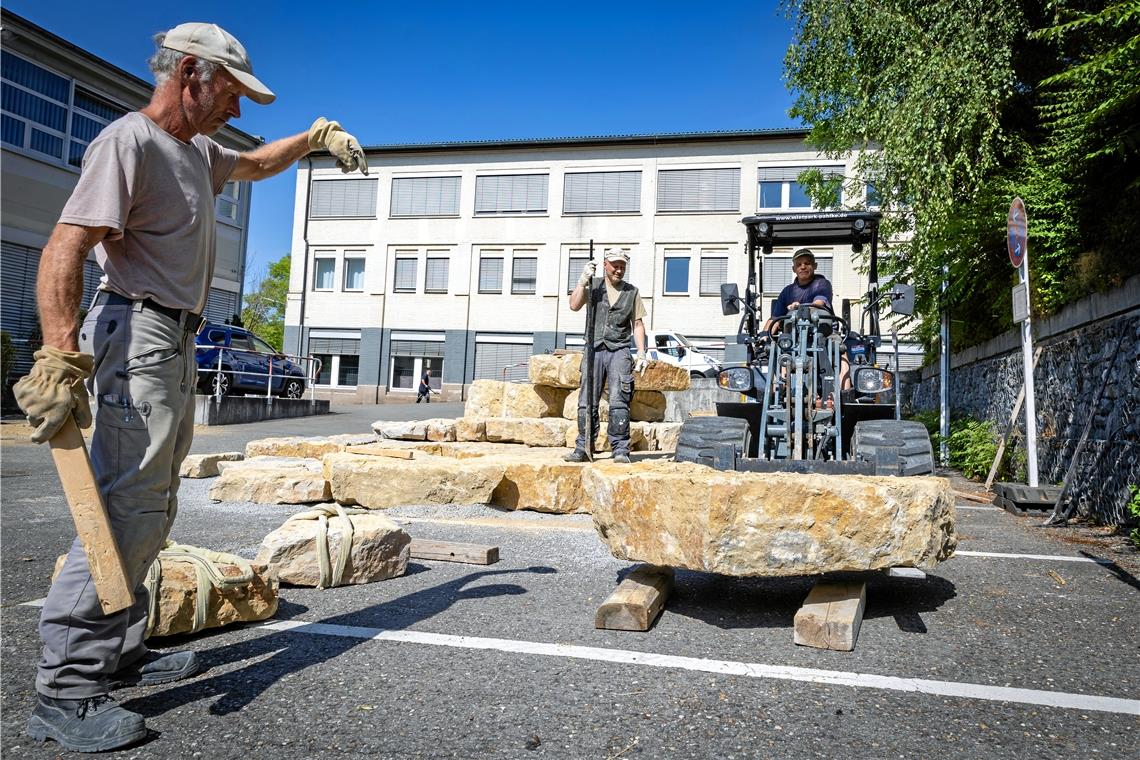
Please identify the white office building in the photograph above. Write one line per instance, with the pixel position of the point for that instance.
(459, 257)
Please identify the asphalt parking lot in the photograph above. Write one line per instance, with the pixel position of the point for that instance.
(1020, 646)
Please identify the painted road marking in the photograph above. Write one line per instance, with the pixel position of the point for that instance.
(725, 667)
(980, 509)
(1050, 557)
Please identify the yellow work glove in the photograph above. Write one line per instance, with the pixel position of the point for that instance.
(344, 147)
(54, 389)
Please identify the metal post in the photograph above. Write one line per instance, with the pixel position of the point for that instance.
(898, 386)
(218, 378)
(944, 374)
(1027, 363)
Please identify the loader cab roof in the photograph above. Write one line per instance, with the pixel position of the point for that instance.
(854, 228)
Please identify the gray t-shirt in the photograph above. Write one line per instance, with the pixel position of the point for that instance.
(156, 193)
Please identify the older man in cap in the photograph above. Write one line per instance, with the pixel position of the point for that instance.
(145, 202)
(618, 312)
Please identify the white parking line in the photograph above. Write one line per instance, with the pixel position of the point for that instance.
(1050, 557)
(979, 509)
(726, 667)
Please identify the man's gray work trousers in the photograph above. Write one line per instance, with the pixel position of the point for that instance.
(616, 368)
(144, 389)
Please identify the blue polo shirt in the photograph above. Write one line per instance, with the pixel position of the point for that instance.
(818, 288)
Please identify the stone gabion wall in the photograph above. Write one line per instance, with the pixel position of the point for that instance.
(1070, 373)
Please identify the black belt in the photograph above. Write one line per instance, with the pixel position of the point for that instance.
(191, 321)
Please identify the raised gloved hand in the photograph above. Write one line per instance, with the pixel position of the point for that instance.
(344, 147)
(640, 363)
(587, 274)
(54, 389)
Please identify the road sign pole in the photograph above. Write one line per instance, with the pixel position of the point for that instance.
(1027, 363)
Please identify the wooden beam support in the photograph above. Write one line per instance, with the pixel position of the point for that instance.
(451, 551)
(906, 572)
(637, 601)
(831, 616)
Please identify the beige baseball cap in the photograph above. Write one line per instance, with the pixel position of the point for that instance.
(212, 43)
(617, 254)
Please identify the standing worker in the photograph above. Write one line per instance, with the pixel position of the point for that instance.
(424, 391)
(618, 312)
(145, 202)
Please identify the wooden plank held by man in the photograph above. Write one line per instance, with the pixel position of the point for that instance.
(92, 523)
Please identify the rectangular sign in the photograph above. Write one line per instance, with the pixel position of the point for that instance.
(1020, 303)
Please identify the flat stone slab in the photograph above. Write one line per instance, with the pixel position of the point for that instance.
(679, 514)
(206, 465)
(376, 482)
(565, 371)
(435, 429)
(271, 480)
(313, 447)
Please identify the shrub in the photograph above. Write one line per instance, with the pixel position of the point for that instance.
(1133, 508)
(972, 443)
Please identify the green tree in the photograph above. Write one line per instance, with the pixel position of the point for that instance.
(263, 311)
(955, 107)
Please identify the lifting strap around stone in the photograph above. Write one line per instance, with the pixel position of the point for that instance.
(208, 571)
(331, 576)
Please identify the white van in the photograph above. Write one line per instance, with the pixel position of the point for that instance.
(675, 348)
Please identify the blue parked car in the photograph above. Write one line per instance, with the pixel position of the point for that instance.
(245, 362)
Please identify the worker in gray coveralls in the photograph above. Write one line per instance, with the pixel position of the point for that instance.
(145, 202)
(617, 315)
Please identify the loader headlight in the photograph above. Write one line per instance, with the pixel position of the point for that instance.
(873, 380)
(735, 379)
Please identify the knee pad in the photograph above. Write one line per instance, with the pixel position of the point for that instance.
(619, 422)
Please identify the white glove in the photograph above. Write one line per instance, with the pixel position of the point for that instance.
(587, 274)
(640, 363)
(344, 147)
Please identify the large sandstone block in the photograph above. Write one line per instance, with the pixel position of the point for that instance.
(379, 548)
(645, 406)
(178, 590)
(494, 398)
(313, 447)
(542, 486)
(271, 480)
(556, 371)
(661, 376)
(532, 432)
(471, 429)
(665, 435)
(378, 482)
(679, 514)
(206, 465)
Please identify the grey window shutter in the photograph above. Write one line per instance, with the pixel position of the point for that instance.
(511, 194)
(602, 192)
(492, 358)
(490, 275)
(343, 197)
(405, 274)
(714, 273)
(525, 274)
(436, 274)
(342, 346)
(427, 348)
(425, 196)
(790, 173)
(698, 189)
(574, 271)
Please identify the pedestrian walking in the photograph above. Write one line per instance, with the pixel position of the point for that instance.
(145, 203)
(424, 391)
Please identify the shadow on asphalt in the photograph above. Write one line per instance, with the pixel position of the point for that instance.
(731, 603)
(1121, 574)
(277, 654)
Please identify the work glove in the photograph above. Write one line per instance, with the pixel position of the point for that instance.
(54, 389)
(640, 363)
(587, 274)
(344, 147)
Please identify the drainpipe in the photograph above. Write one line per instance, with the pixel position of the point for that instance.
(305, 261)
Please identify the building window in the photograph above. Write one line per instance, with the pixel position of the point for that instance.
(874, 198)
(779, 187)
(777, 271)
(602, 193)
(524, 275)
(436, 274)
(323, 364)
(574, 271)
(425, 196)
(48, 113)
(348, 370)
(340, 360)
(714, 273)
(336, 198)
(706, 190)
(491, 274)
(226, 205)
(353, 273)
(405, 275)
(324, 273)
(511, 194)
(409, 360)
(676, 275)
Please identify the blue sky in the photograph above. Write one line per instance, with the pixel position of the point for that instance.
(443, 71)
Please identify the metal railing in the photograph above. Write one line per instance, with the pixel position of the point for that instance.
(314, 370)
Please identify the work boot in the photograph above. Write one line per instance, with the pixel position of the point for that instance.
(94, 724)
(577, 455)
(154, 668)
(621, 457)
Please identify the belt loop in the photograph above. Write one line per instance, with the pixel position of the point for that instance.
(137, 306)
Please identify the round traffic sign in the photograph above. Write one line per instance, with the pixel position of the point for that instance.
(1017, 232)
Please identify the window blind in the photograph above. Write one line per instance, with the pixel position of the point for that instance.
(436, 274)
(714, 272)
(525, 274)
(425, 196)
(511, 194)
(405, 274)
(698, 189)
(602, 192)
(490, 275)
(342, 197)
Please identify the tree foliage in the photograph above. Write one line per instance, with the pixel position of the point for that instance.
(264, 309)
(952, 109)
